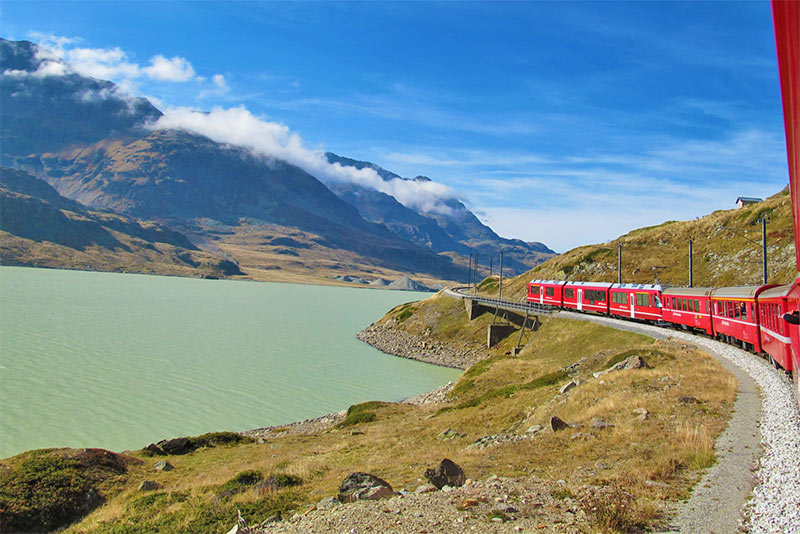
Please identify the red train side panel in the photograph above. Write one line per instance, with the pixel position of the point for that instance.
(546, 292)
(587, 296)
(689, 306)
(786, 18)
(636, 301)
(735, 314)
(775, 341)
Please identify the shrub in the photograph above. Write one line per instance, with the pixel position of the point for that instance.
(361, 413)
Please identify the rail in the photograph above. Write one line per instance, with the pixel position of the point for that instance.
(533, 308)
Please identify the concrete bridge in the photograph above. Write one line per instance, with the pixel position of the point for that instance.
(524, 314)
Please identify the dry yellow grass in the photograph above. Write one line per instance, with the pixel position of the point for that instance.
(652, 461)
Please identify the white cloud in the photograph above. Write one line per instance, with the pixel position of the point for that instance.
(176, 69)
(111, 63)
(220, 82)
(237, 126)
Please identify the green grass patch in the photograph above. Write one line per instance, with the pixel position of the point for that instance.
(214, 439)
(47, 489)
(175, 512)
(241, 482)
(507, 391)
(362, 413)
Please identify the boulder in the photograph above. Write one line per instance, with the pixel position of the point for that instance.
(176, 446)
(163, 465)
(450, 434)
(155, 449)
(556, 423)
(633, 362)
(568, 386)
(598, 423)
(327, 503)
(426, 488)
(363, 486)
(447, 473)
(148, 485)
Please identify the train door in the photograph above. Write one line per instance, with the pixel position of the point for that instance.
(580, 299)
(632, 298)
(541, 294)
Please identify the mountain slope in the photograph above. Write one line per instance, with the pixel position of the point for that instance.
(39, 227)
(454, 229)
(44, 113)
(92, 143)
(727, 252)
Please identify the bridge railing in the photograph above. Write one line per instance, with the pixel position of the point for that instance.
(532, 308)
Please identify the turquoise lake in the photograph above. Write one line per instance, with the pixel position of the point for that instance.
(122, 360)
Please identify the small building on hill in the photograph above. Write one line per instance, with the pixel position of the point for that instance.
(744, 201)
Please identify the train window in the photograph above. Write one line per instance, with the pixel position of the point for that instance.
(708, 306)
(534, 290)
(696, 305)
(642, 299)
(743, 309)
(569, 293)
(683, 304)
(548, 291)
(673, 303)
(593, 295)
(619, 298)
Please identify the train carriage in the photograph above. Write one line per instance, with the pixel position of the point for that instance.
(546, 291)
(735, 316)
(587, 296)
(636, 301)
(689, 307)
(775, 341)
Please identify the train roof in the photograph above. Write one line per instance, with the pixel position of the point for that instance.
(689, 291)
(590, 284)
(558, 282)
(779, 291)
(656, 287)
(747, 292)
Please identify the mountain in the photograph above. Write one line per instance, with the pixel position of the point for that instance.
(726, 252)
(95, 145)
(41, 228)
(45, 113)
(455, 229)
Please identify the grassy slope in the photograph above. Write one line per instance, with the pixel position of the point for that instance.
(656, 459)
(721, 257)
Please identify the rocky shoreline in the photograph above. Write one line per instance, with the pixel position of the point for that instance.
(396, 342)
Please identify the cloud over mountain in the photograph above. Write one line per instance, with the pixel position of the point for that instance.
(237, 126)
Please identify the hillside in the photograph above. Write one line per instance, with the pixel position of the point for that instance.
(660, 253)
(494, 423)
(41, 228)
(96, 145)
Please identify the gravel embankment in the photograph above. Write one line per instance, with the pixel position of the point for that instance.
(400, 343)
(775, 506)
(527, 505)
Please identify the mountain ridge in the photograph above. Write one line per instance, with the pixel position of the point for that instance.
(91, 142)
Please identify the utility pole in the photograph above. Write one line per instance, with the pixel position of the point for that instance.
(475, 291)
(619, 264)
(500, 290)
(469, 271)
(491, 265)
(764, 245)
(690, 264)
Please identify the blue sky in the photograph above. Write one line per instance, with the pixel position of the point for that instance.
(563, 122)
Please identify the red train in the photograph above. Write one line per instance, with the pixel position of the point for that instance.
(750, 317)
